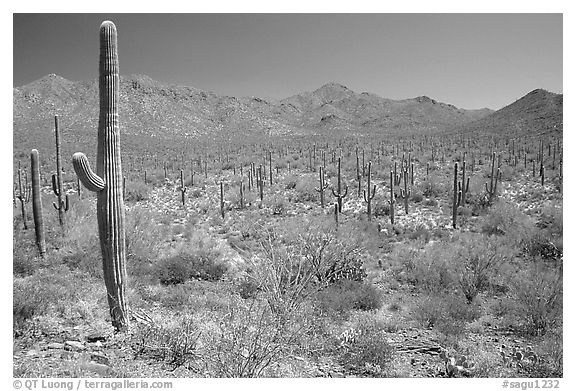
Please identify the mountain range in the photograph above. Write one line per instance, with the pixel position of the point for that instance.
(150, 110)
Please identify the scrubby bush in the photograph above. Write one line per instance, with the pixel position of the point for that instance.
(136, 191)
(364, 348)
(250, 339)
(478, 258)
(144, 237)
(345, 295)
(445, 312)
(381, 208)
(306, 189)
(538, 293)
(37, 294)
(432, 187)
(197, 259)
(507, 219)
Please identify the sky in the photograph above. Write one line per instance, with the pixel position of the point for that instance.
(469, 60)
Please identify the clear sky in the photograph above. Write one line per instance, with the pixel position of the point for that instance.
(469, 60)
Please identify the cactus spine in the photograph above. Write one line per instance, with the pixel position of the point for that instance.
(339, 195)
(107, 181)
(323, 186)
(57, 188)
(37, 203)
(368, 197)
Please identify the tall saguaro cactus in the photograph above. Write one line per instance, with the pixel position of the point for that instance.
(37, 203)
(340, 195)
(323, 186)
(369, 196)
(107, 181)
(57, 188)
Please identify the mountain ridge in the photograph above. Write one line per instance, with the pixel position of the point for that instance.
(152, 110)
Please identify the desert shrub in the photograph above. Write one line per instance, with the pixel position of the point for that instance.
(136, 191)
(290, 182)
(479, 259)
(249, 339)
(197, 259)
(416, 196)
(507, 219)
(381, 208)
(429, 270)
(196, 192)
(247, 288)
(346, 295)
(540, 245)
(538, 293)
(551, 219)
(306, 189)
(175, 344)
(228, 165)
(420, 232)
(278, 204)
(144, 237)
(35, 295)
(445, 312)
(432, 187)
(294, 263)
(363, 349)
(551, 351)
(25, 260)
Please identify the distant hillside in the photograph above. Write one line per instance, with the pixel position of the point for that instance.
(336, 105)
(538, 112)
(152, 111)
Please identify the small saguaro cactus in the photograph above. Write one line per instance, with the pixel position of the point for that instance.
(23, 195)
(369, 196)
(406, 192)
(107, 181)
(339, 195)
(260, 183)
(465, 183)
(270, 165)
(241, 194)
(493, 180)
(392, 200)
(37, 203)
(336, 213)
(222, 199)
(57, 187)
(323, 186)
(183, 188)
(456, 198)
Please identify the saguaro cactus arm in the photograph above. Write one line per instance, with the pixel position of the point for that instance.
(89, 179)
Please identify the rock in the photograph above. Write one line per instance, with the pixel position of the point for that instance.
(99, 358)
(100, 369)
(55, 345)
(67, 355)
(74, 345)
(96, 344)
(95, 337)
